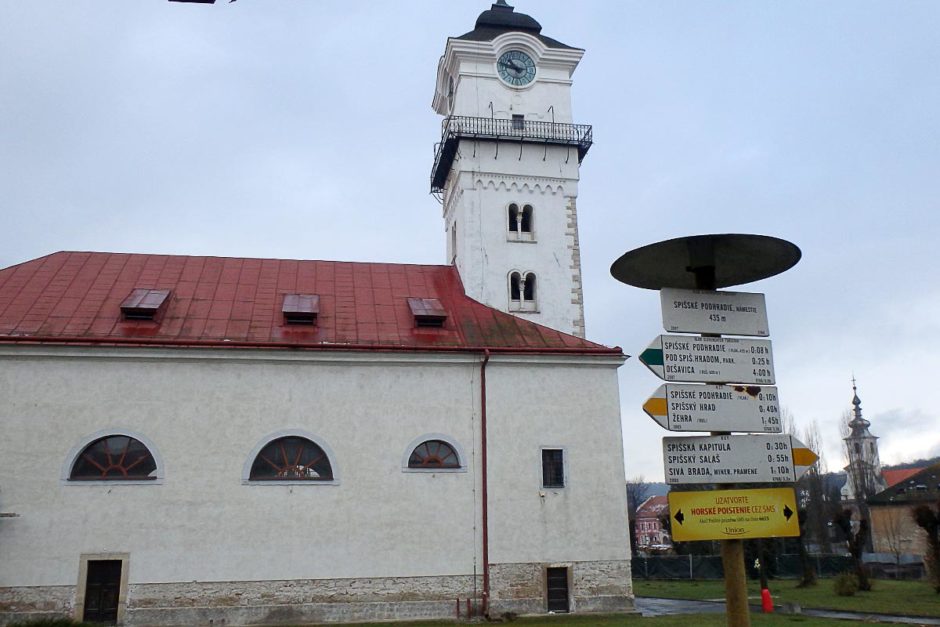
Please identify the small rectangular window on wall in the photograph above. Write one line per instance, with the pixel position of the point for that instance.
(553, 468)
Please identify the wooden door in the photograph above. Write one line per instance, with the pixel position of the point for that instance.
(102, 591)
(557, 582)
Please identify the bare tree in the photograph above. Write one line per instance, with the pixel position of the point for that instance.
(813, 497)
(637, 492)
(892, 529)
(860, 474)
(787, 421)
(929, 521)
(857, 539)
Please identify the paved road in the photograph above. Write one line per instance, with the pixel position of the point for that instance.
(649, 606)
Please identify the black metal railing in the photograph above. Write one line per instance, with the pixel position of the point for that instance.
(456, 127)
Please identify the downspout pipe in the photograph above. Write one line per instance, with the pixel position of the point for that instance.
(483, 480)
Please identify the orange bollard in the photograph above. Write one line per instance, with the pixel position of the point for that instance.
(766, 602)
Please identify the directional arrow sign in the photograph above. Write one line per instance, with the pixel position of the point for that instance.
(710, 359)
(736, 459)
(708, 311)
(726, 514)
(691, 407)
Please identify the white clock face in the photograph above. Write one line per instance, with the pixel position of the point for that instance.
(516, 68)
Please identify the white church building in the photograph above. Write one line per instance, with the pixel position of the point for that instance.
(202, 440)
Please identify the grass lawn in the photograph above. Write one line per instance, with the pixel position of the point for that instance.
(908, 598)
(686, 620)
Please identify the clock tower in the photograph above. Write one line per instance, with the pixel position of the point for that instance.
(506, 168)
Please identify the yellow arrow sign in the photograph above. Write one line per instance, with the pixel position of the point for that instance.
(728, 514)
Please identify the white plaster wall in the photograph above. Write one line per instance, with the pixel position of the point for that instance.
(486, 255)
(531, 101)
(575, 408)
(205, 410)
(471, 65)
(205, 416)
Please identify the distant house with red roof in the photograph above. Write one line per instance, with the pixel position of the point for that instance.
(649, 523)
(203, 440)
(894, 476)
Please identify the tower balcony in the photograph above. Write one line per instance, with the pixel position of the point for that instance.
(456, 127)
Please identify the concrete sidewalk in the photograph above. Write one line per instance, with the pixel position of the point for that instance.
(650, 606)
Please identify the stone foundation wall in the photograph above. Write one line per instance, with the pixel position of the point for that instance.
(262, 602)
(603, 586)
(518, 588)
(36, 602)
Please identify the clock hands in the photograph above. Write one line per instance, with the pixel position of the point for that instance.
(516, 68)
(513, 66)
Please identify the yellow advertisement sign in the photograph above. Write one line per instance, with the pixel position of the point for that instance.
(733, 514)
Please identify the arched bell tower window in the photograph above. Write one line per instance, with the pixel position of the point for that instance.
(522, 291)
(521, 221)
(114, 456)
(290, 457)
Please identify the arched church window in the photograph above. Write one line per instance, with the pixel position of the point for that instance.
(522, 291)
(115, 457)
(291, 458)
(528, 290)
(515, 288)
(521, 222)
(434, 454)
(525, 223)
(858, 448)
(871, 448)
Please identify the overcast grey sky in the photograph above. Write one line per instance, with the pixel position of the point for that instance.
(303, 129)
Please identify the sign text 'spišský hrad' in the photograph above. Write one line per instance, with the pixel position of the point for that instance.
(693, 407)
(707, 311)
(710, 359)
(733, 514)
(735, 459)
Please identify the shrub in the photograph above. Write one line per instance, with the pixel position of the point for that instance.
(846, 584)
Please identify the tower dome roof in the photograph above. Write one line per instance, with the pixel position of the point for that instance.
(858, 424)
(501, 15)
(501, 18)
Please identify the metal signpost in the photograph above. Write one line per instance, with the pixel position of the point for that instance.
(736, 459)
(747, 408)
(687, 271)
(710, 359)
(740, 514)
(708, 311)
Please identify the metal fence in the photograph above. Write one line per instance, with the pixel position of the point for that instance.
(780, 566)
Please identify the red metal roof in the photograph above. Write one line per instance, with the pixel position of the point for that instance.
(896, 476)
(652, 507)
(75, 297)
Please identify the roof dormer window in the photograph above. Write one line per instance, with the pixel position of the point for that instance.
(301, 308)
(144, 304)
(428, 312)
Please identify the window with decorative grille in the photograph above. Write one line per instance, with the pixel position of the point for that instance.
(553, 468)
(291, 458)
(434, 454)
(114, 458)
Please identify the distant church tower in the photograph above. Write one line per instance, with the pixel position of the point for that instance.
(506, 169)
(863, 474)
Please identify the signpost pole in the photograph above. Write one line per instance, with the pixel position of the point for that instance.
(732, 551)
(705, 263)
